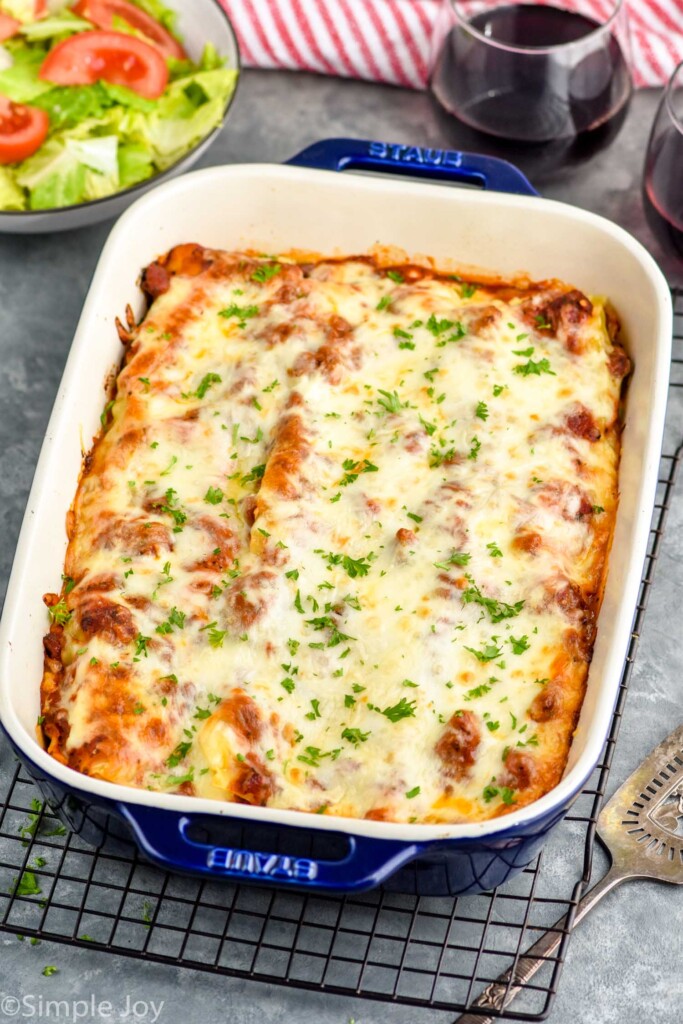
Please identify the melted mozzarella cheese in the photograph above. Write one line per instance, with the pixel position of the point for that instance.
(341, 513)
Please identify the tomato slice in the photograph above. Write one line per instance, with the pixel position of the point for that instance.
(22, 131)
(103, 12)
(114, 57)
(8, 27)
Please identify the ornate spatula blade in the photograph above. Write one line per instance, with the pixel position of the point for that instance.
(642, 827)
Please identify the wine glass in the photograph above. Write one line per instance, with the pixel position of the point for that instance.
(548, 75)
(663, 181)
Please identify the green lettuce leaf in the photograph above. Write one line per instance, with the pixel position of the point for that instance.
(71, 104)
(135, 164)
(64, 24)
(53, 177)
(20, 82)
(171, 137)
(11, 196)
(128, 98)
(211, 60)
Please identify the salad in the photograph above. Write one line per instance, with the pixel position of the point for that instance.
(96, 96)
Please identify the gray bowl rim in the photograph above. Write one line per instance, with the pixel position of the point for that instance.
(156, 179)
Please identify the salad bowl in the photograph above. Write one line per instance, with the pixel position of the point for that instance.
(197, 23)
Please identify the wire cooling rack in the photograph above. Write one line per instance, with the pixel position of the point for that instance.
(427, 952)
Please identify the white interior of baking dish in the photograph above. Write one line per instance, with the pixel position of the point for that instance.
(275, 208)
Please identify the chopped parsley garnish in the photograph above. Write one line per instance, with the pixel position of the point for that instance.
(404, 709)
(327, 622)
(494, 550)
(178, 780)
(215, 636)
(242, 313)
(207, 381)
(430, 428)
(542, 323)
(439, 327)
(597, 510)
(414, 517)
(396, 276)
(49, 970)
(105, 413)
(172, 463)
(490, 653)
(530, 368)
(265, 272)
(482, 411)
(497, 610)
(170, 507)
(355, 566)
(525, 352)
(59, 613)
(413, 792)
(69, 583)
(477, 691)
(271, 387)
(498, 389)
(519, 646)
(315, 713)
(467, 290)
(474, 450)
(383, 303)
(180, 752)
(354, 469)
(288, 684)
(389, 401)
(355, 736)
(455, 558)
(213, 496)
(26, 885)
(256, 473)
(492, 726)
(175, 618)
(141, 645)
(437, 456)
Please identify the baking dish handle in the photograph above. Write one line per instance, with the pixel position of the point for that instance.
(486, 172)
(163, 838)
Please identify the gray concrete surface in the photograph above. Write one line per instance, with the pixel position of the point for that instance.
(624, 963)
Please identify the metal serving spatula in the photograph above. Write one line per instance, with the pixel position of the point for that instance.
(642, 828)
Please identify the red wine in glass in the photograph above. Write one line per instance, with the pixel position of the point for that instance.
(663, 184)
(535, 74)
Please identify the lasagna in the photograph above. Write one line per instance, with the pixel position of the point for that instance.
(341, 543)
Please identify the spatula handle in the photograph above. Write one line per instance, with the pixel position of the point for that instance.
(500, 993)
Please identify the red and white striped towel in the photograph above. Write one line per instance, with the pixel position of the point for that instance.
(390, 40)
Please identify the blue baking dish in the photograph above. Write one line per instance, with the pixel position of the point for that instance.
(309, 205)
